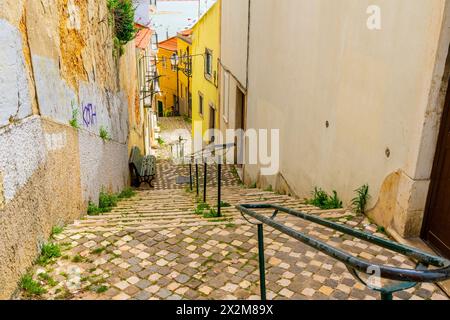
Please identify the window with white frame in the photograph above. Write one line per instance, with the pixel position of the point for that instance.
(208, 63)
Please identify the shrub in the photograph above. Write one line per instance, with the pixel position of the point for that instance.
(122, 19)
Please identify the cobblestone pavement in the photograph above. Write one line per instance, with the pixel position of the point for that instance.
(154, 246)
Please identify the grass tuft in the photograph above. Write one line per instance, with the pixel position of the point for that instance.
(104, 134)
(359, 203)
(49, 252)
(324, 201)
(57, 230)
(127, 194)
(30, 287)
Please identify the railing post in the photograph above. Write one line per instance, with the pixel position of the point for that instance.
(386, 296)
(262, 262)
(196, 177)
(205, 181)
(219, 188)
(190, 176)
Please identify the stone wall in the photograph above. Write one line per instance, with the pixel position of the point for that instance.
(57, 61)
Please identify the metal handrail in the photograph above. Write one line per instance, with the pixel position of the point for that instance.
(408, 277)
(193, 159)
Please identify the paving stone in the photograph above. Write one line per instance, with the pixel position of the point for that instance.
(217, 261)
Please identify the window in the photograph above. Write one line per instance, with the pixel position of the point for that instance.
(164, 62)
(208, 63)
(200, 103)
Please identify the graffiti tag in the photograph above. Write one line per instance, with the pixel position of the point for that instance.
(89, 115)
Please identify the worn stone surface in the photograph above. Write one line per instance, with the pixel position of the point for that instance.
(154, 247)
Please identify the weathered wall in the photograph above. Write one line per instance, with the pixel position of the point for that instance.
(317, 62)
(234, 40)
(56, 58)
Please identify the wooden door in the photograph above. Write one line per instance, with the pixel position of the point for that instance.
(436, 229)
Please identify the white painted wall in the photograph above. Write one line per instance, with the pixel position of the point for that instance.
(234, 36)
(102, 165)
(316, 61)
(14, 91)
(22, 151)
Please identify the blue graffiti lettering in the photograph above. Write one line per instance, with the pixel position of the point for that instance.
(89, 115)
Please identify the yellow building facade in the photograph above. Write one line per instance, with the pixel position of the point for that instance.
(184, 44)
(166, 101)
(205, 77)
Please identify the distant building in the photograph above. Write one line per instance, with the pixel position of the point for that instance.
(184, 44)
(167, 104)
(205, 83)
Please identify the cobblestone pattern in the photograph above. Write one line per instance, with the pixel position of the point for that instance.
(195, 261)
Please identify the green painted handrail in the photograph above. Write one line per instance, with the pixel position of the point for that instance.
(407, 277)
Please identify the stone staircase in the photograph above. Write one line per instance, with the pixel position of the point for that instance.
(165, 209)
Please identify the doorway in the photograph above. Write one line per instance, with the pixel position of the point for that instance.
(240, 125)
(436, 230)
(212, 122)
(160, 109)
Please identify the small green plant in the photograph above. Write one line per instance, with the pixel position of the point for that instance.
(224, 204)
(212, 213)
(30, 287)
(101, 289)
(98, 251)
(107, 200)
(127, 194)
(74, 121)
(201, 207)
(56, 230)
(48, 279)
(77, 259)
(161, 141)
(49, 252)
(269, 188)
(104, 134)
(253, 185)
(93, 210)
(362, 198)
(334, 202)
(381, 229)
(187, 119)
(322, 200)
